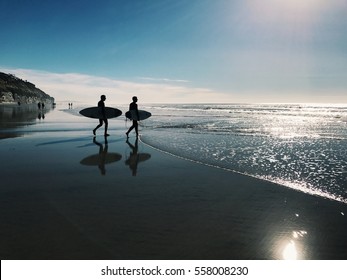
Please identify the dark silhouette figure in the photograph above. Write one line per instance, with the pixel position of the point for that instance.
(133, 159)
(102, 155)
(41, 115)
(103, 119)
(102, 158)
(134, 110)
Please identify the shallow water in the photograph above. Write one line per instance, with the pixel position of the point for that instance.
(298, 146)
(79, 197)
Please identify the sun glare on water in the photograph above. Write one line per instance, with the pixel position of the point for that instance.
(289, 252)
(290, 249)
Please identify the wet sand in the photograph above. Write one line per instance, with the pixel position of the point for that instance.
(66, 195)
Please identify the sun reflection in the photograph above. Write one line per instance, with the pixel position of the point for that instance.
(290, 252)
(300, 233)
(293, 249)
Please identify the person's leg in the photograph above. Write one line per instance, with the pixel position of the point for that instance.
(130, 129)
(106, 127)
(136, 126)
(99, 125)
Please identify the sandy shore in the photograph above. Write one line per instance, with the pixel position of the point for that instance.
(66, 195)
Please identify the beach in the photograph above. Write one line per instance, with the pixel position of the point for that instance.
(67, 195)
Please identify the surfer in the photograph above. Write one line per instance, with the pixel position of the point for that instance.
(133, 108)
(101, 105)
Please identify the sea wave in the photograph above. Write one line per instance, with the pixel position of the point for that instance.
(302, 147)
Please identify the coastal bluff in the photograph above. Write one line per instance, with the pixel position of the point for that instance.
(15, 90)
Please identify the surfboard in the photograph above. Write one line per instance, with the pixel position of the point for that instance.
(137, 158)
(95, 112)
(142, 114)
(98, 159)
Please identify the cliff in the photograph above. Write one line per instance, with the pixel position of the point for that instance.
(15, 90)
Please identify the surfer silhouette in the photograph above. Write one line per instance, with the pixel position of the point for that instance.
(133, 108)
(101, 105)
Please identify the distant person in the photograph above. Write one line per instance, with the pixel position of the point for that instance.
(103, 119)
(134, 110)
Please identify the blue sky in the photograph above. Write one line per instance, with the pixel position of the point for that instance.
(179, 51)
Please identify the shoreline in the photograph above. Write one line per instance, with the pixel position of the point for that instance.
(312, 193)
(61, 202)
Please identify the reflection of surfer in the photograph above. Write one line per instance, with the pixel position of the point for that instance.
(101, 105)
(41, 116)
(102, 158)
(102, 155)
(133, 159)
(133, 107)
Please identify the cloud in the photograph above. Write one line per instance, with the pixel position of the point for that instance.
(76, 87)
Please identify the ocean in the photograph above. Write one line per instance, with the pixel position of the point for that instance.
(299, 146)
(55, 170)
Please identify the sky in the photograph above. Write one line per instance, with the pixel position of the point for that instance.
(179, 51)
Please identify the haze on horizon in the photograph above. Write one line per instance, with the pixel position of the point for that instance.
(219, 51)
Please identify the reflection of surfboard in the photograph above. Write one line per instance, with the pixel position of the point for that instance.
(137, 158)
(142, 114)
(98, 159)
(95, 112)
